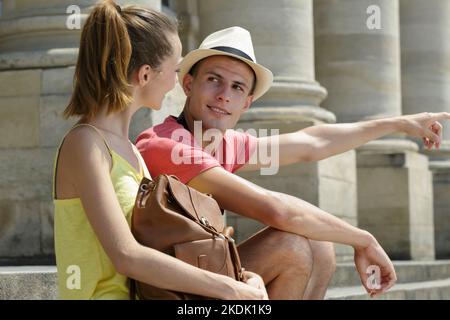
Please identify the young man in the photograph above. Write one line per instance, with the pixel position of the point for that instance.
(294, 255)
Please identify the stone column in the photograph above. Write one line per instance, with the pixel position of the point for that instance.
(358, 61)
(282, 33)
(425, 30)
(187, 15)
(37, 57)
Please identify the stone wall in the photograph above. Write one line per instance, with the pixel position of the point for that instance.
(328, 66)
(36, 73)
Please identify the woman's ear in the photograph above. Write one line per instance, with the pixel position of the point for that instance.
(144, 75)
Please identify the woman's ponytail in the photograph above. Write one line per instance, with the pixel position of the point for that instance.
(114, 43)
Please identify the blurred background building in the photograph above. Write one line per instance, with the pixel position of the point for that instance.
(333, 61)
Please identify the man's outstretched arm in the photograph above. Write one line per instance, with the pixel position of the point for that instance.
(322, 141)
(291, 214)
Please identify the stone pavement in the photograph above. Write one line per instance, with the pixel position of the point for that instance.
(416, 280)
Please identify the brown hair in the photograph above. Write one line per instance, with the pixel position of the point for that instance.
(114, 43)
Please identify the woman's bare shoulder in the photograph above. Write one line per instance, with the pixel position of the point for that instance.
(83, 146)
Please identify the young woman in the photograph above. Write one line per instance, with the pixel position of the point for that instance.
(127, 59)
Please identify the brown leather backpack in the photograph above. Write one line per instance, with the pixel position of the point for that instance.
(176, 219)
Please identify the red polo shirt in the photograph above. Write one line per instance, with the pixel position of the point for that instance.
(168, 148)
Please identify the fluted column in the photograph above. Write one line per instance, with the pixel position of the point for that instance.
(425, 30)
(283, 38)
(359, 67)
(37, 57)
(187, 15)
(358, 61)
(282, 34)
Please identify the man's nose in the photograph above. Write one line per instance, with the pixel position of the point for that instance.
(223, 94)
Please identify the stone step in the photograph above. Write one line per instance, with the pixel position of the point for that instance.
(407, 272)
(28, 282)
(422, 278)
(423, 290)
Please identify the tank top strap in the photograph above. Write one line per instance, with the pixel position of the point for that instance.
(98, 131)
(144, 170)
(60, 145)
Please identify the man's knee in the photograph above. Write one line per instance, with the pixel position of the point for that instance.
(331, 257)
(295, 252)
(324, 256)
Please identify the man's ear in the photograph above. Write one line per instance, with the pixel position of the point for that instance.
(248, 103)
(187, 84)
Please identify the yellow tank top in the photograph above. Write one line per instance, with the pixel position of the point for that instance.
(84, 269)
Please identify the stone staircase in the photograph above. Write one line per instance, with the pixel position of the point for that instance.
(416, 280)
(28, 282)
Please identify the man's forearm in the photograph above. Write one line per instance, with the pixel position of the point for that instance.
(300, 217)
(332, 139)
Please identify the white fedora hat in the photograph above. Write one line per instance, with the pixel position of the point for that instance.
(235, 42)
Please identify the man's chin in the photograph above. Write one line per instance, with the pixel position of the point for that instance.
(217, 126)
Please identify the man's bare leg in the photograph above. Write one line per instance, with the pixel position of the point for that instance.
(284, 260)
(324, 266)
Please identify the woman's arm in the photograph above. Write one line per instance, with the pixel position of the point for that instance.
(88, 169)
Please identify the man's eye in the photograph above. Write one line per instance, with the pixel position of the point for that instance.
(213, 79)
(238, 88)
